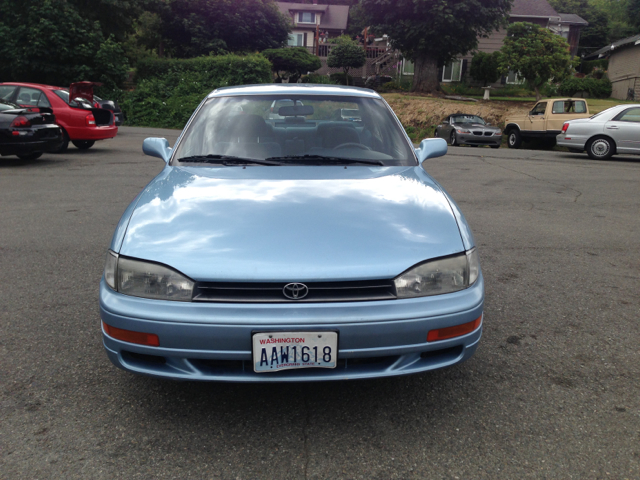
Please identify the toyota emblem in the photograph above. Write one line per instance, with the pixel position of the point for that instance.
(295, 291)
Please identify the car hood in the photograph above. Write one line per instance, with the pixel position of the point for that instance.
(291, 223)
(476, 125)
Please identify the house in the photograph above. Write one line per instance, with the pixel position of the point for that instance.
(539, 12)
(624, 67)
(314, 24)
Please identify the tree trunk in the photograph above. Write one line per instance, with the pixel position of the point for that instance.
(425, 77)
(538, 96)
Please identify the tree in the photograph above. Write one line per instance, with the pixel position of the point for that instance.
(596, 34)
(48, 41)
(292, 62)
(431, 33)
(633, 12)
(202, 27)
(116, 17)
(485, 67)
(346, 54)
(535, 54)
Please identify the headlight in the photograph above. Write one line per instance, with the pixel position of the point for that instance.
(147, 280)
(462, 130)
(498, 133)
(437, 277)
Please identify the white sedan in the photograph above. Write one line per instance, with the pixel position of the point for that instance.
(615, 130)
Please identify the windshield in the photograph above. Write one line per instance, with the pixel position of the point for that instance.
(296, 129)
(468, 119)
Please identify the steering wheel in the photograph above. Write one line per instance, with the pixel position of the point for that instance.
(351, 144)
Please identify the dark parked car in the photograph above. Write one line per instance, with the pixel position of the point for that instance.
(27, 134)
(469, 130)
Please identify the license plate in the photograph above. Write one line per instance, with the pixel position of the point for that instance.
(277, 351)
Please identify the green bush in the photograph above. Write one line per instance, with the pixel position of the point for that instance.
(392, 85)
(168, 91)
(219, 70)
(595, 88)
(341, 79)
(316, 78)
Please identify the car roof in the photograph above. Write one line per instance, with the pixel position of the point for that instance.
(294, 89)
(36, 85)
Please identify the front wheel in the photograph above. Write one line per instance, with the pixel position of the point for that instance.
(454, 139)
(30, 156)
(600, 148)
(83, 144)
(514, 140)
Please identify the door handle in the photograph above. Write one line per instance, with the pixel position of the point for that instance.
(613, 127)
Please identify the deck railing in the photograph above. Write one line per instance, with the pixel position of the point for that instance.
(324, 49)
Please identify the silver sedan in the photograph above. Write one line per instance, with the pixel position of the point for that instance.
(471, 130)
(612, 131)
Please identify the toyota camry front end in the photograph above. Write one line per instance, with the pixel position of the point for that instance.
(305, 247)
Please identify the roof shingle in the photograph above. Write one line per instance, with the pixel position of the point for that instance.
(533, 8)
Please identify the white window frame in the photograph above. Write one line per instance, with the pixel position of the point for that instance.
(404, 62)
(516, 81)
(313, 14)
(297, 39)
(451, 80)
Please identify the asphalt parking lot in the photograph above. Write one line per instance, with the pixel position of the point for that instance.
(552, 392)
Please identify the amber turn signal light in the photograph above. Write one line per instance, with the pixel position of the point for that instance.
(455, 331)
(140, 338)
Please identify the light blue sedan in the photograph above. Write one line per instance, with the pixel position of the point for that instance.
(304, 247)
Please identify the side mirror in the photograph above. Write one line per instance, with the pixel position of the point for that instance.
(445, 122)
(157, 147)
(431, 148)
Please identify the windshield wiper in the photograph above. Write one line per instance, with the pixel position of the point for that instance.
(322, 160)
(226, 160)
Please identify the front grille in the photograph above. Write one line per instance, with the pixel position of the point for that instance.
(319, 292)
(478, 133)
(488, 134)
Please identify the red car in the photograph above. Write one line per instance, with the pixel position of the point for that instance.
(81, 124)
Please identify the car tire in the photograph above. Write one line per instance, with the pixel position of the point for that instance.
(576, 150)
(64, 145)
(601, 148)
(30, 156)
(83, 144)
(514, 139)
(453, 140)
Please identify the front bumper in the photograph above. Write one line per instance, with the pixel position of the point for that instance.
(213, 341)
(471, 139)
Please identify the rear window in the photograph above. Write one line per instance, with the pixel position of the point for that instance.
(570, 106)
(270, 126)
(6, 91)
(77, 103)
